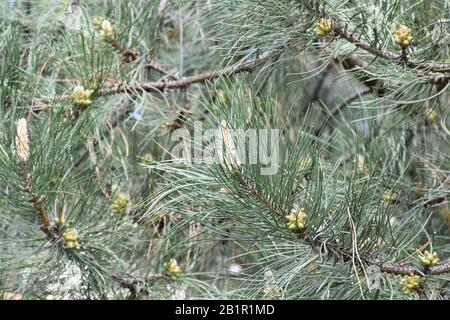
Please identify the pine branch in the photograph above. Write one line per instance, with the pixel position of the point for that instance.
(341, 32)
(437, 72)
(136, 285)
(413, 269)
(334, 248)
(34, 199)
(22, 152)
(162, 84)
(152, 65)
(183, 82)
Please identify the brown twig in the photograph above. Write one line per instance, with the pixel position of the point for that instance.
(183, 82)
(34, 199)
(152, 65)
(136, 285)
(406, 269)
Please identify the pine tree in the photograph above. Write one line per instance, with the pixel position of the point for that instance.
(282, 149)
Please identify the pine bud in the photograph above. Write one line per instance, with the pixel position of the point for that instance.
(323, 27)
(107, 30)
(305, 164)
(272, 290)
(224, 190)
(268, 274)
(296, 219)
(371, 243)
(172, 267)
(390, 197)
(60, 220)
(402, 36)
(120, 203)
(429, 258)
(82, 97)
(72, 237)
(222, 97)
(148, 158)
(410, 283)
(361, 164)
(98, 23)
(431, 115)
(22, 144)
